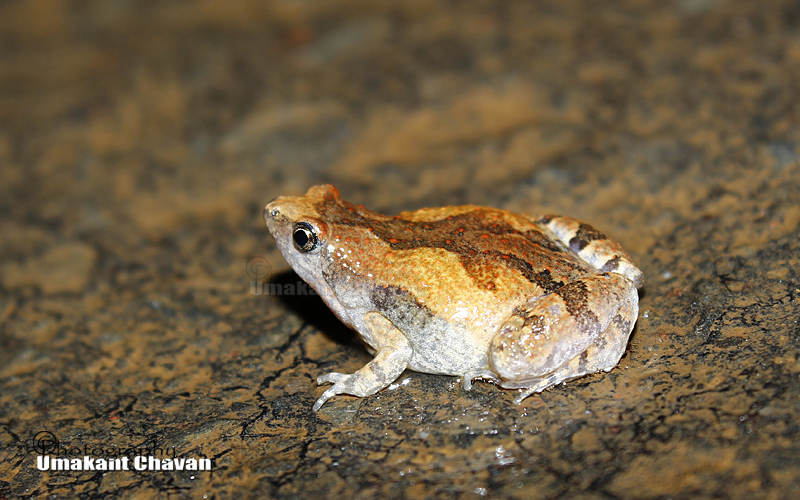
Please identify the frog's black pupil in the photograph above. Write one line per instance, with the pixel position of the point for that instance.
(301, 237)
(305, 239)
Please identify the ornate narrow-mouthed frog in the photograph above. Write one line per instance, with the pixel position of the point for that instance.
(525, 302)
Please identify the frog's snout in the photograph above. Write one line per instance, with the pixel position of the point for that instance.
(273, 215)
(270, 211)
(273, 211)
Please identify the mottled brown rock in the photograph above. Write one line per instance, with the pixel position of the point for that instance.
(64, 268)
(140, 141)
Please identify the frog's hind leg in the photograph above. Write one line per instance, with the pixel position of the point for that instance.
(602, 355)
(581, 328)
(593, 247)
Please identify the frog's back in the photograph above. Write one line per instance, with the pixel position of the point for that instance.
(449, 254)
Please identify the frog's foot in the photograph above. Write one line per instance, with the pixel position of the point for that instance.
(391, 359)
(580, 328)
(485, 374)
(541, 385)
(387, 365)
(343, 383)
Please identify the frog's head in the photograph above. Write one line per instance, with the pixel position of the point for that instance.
(300, 231)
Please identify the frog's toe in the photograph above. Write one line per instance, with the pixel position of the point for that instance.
(484, 374)
(325, 396)
(343, 383)
(340, 385)
(541, 385)
(332, 378)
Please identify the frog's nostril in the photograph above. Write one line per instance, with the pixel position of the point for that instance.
(271, 211)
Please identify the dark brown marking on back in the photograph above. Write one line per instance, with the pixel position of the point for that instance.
(601, 342)
(576, 300)
(588, 233)
(480, 238)
(583, 360)
(576, 244)
(585, 235)
(610, 265)
(621, 324)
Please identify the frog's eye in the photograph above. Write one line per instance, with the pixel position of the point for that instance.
(304, 236)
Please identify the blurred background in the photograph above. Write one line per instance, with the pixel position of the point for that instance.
(140, 140)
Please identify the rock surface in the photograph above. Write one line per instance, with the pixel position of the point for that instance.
(139, 143)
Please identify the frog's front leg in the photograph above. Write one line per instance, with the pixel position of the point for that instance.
(393, 352)
(581, 328)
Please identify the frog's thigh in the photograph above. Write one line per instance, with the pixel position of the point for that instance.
(603, 354)
(586, 322)
(393, 353)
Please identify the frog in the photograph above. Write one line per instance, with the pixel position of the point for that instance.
(524, 302)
